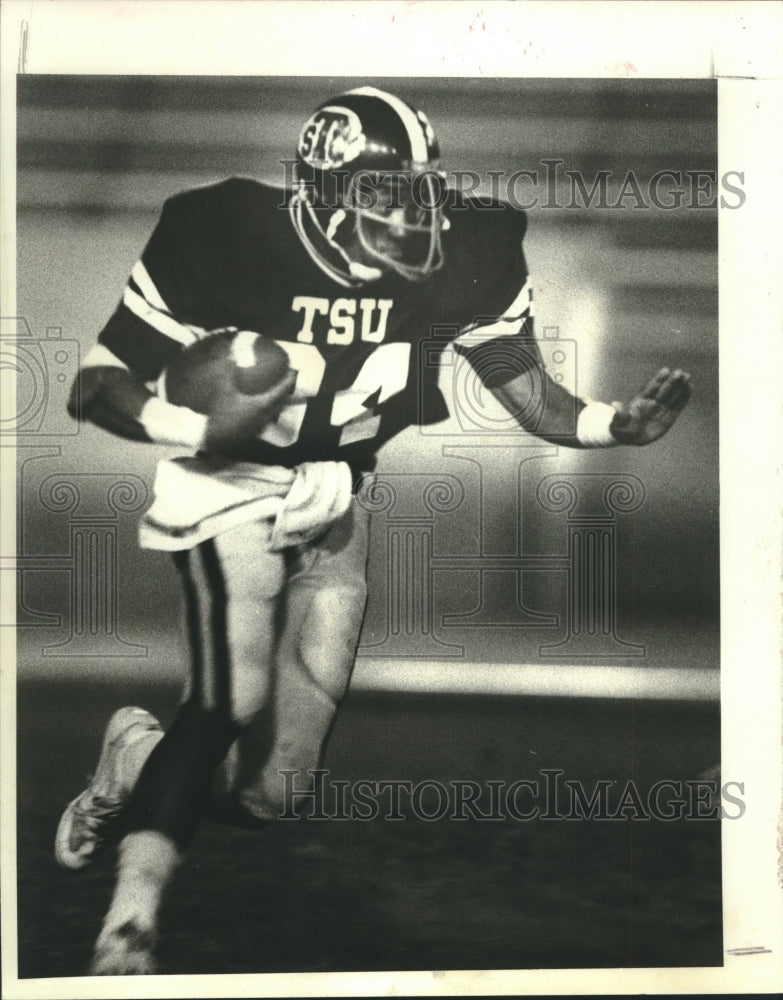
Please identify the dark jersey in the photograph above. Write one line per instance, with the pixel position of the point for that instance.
(227, 257)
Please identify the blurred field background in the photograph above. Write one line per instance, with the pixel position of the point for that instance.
(630, 289)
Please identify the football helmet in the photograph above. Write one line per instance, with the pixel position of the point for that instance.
(369, 189)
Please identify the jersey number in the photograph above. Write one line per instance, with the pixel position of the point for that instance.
(383, 375)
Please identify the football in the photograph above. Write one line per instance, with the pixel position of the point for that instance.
(226, 362)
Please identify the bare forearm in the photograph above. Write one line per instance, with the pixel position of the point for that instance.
(559, 415)
(551, 412)
(112, 398)
(542, 407)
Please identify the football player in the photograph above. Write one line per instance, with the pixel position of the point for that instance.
(349, 272)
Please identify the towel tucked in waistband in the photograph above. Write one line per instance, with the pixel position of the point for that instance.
(199, 497)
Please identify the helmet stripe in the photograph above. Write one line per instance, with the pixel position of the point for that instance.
(413, 127)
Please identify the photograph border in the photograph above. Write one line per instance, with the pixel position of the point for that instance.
(735, 43)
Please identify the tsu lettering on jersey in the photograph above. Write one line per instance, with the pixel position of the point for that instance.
(342, 320)
(227, 256)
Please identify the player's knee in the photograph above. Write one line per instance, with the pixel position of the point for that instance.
(326, 647)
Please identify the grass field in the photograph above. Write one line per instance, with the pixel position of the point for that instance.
(318, 896)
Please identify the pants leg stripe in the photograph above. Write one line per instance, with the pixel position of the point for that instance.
(206, 601)
(217, 638)
(173, 789)
(182, 560)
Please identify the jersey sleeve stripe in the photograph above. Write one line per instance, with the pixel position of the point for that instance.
(510, 322)
(141, 347)
(161, 321)
(523, 302)
(488, 331)
(146, 286)
(503, 359)
(100, 356)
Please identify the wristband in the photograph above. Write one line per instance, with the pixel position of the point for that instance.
(166, 423)
(592, 426)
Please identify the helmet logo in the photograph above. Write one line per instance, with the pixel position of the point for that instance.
(332, 136)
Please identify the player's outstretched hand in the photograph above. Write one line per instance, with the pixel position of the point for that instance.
(239, 418)
(653, 410)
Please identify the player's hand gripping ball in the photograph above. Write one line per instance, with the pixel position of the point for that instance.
(221, 365)
(239, 380)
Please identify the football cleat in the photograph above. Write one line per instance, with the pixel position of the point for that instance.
(369, 191)
(89, 822)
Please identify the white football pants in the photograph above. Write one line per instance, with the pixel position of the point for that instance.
(273, 635)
